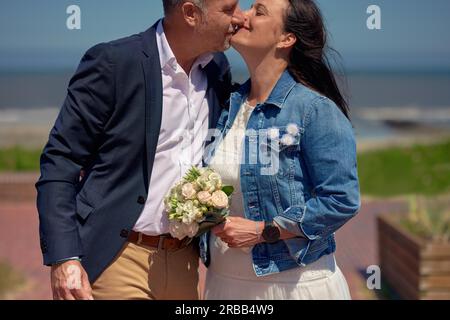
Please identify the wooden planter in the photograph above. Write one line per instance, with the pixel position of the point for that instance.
(415, 268)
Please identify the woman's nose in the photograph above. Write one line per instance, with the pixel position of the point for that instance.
(238, 18)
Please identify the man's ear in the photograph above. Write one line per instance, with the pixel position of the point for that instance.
(288, 40)
(191, 13)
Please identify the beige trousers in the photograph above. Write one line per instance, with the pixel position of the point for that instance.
(144, 273)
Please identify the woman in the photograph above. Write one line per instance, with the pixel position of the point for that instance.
(289, 150)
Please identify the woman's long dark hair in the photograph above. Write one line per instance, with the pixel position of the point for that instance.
(308, 62)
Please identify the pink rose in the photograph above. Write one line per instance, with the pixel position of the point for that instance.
(219, 200)
(204, 197)
(188, 191)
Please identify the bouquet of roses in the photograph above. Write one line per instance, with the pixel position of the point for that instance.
(197, 203)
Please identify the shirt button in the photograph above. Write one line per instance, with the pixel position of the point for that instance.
(141, 200)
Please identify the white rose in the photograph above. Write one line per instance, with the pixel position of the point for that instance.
(191, 229)
(190, 212)
(216, 179)
(189, 217)
(176, 230)
(287, 140)
(219, 200)
(293, 129)
(188, 191)
(204, 197)
(209, 187)
(176, 191)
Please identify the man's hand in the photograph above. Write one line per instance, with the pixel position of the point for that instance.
(238, 232)
(70, 282)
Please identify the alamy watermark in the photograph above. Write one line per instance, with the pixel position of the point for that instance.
(374, 20)
(262, 147)
(73, 21)
(374, 278)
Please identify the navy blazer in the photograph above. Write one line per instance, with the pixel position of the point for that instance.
(108, 126)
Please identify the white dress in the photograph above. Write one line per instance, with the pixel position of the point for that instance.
(231, 276)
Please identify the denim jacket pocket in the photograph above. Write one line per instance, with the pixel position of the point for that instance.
(280, 139)
(279, 148)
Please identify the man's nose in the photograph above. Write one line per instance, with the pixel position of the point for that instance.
(238, 17)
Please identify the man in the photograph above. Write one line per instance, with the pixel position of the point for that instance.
(135, 118)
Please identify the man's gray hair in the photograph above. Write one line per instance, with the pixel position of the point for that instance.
(169, 5)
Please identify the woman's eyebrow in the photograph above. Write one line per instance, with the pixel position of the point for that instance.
(261, 6)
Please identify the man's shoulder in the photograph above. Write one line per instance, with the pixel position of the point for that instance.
(136, 39)
(128, 41)
(123, 47)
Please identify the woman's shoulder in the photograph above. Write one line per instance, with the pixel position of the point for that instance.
(308, 97)
(316, 106)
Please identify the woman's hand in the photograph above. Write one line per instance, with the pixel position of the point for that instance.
(238, 232)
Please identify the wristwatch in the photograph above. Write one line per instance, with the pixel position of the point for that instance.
(271, 233)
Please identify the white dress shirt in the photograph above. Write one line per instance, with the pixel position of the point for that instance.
(184, 128)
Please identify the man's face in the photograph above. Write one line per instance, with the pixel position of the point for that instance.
(217, 25)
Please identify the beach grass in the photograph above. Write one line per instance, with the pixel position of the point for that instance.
(418, 169)
(18, 159)
(10, 280)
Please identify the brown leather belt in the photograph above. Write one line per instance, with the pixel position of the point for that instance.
(162, 242)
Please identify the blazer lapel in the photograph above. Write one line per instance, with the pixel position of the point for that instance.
(153, 98)
(217, 92)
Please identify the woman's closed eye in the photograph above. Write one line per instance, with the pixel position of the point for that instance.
(261, 10)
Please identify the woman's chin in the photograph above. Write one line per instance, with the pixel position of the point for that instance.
(237, 42)
(236, 46)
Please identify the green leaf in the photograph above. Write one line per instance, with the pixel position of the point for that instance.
(192, 174)
(228, 190)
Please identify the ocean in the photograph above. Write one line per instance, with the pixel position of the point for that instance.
(382, 104)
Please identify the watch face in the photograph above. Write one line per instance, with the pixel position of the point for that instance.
(271, 234)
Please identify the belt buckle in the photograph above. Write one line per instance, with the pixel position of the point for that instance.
(161, 242)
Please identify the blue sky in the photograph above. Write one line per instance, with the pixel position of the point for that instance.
(414, 35)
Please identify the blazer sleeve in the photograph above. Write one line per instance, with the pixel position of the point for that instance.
(72, 144)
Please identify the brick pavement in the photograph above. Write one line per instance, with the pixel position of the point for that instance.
(19, 243)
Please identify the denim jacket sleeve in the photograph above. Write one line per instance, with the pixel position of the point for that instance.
(329, 150)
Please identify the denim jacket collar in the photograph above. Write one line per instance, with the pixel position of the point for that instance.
(278, 95)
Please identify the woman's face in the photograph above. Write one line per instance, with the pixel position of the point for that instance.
(263, 27)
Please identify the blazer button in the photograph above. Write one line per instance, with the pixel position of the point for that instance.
(124, 233)
(141, 200)
(43, 246)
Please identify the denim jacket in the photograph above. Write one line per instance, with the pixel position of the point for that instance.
(298, 168)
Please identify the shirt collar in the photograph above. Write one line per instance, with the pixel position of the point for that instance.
(166, 55)
(204, 59)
